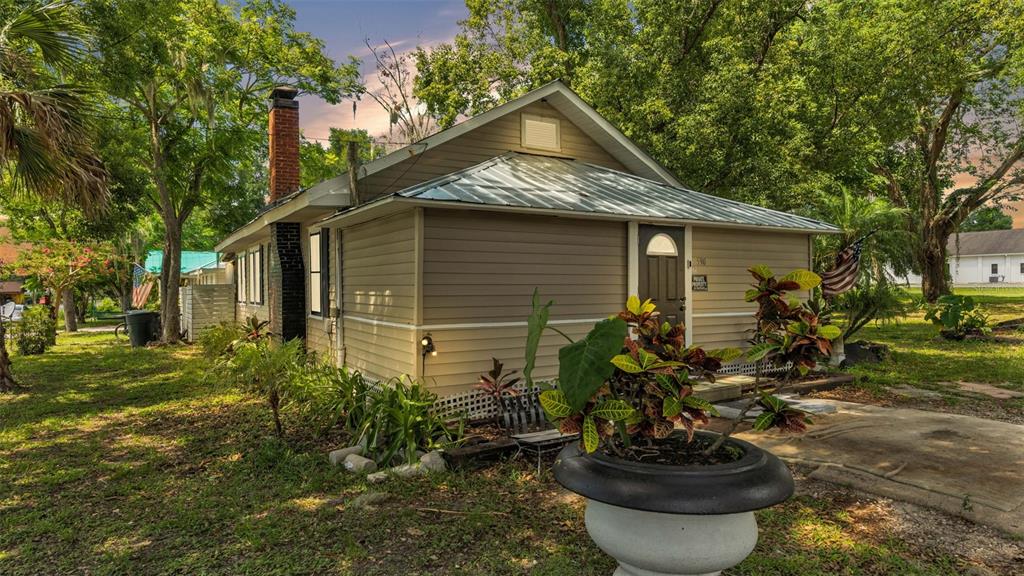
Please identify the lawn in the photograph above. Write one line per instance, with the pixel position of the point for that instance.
(120, 461)
(920, 359)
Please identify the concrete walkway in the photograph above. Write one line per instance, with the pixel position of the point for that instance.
(959, 464)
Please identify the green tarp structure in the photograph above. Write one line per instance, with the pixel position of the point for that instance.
(190, 260)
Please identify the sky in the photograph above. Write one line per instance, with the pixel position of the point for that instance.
(345, 25)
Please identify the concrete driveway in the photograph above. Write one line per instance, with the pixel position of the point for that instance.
(959, 464)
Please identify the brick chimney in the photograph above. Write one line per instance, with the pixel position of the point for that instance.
(284, 143)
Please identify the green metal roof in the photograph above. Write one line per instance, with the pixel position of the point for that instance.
(190, 260)
(527, 181)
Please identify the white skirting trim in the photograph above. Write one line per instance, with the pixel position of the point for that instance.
(471, 325)
(724, 315)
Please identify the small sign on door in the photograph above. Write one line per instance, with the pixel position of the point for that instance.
(700, 283)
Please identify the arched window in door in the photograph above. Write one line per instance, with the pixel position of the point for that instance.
(662, 245)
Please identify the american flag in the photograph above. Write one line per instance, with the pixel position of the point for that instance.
(141, 286)
(844, 275)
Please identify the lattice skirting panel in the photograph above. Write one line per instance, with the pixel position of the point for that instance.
(751, 368)
(475, 405)
(471, 405)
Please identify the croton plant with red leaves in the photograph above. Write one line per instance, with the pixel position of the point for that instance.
(631, 378)
(789, 331)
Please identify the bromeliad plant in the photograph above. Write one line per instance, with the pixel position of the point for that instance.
(629, 381)
(496, 384)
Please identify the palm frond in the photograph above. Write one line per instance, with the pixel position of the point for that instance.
(53, 28)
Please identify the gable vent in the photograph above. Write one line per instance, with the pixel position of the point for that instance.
(541, 133)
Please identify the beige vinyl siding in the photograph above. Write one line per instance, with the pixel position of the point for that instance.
(379, 286)
(724, 256)
(464, 354)
(380, 271)
(483, 143)
(379, 351)
(482, 268)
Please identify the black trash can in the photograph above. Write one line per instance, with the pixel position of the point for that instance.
(141, 326)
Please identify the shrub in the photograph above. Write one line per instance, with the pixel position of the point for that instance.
(872, 302)
(957, 317)
(106, 306)
(789, 331)
(265, 367)
(216, 341)
(329, 397)
(35, 332)
(399, 419)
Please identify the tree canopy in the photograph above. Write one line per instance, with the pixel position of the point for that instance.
(193, 76)
(775, 103)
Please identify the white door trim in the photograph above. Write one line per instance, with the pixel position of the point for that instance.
(633, 259)
(688, 282)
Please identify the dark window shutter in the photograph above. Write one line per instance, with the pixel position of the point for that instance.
(325, 271)
(262, 270)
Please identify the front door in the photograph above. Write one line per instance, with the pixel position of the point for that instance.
(662, 272)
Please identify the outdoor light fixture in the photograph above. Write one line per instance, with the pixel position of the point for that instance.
(427, 346)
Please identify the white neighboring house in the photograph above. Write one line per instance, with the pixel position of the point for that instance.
(995, 257)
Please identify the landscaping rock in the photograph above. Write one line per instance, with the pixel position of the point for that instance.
(337, 457)
(434, 461)
(356, 463)
(377, 477)
(407, 470)
(863, 352)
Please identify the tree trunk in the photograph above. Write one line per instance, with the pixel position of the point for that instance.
(70, 312)
(7, 383)
(82, 306)
(170, 278)
(934, 282)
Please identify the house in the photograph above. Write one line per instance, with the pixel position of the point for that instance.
(454, 233)
(12, 288)
(994, 257)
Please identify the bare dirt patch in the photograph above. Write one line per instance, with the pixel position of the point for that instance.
(927, 532)
(1004, 410)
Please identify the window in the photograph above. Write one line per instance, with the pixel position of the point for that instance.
(250, 265)
(249, 274)
(1022, 267)
(662, 245)
(318, 272)
(995, 268)
(240, 276)
(256, 275)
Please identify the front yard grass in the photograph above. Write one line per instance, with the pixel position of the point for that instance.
(121, 461)
(921, 359)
